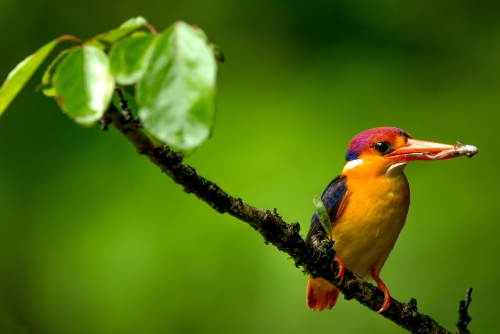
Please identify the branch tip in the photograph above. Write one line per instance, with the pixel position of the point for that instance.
(127, 114)
(463, 316)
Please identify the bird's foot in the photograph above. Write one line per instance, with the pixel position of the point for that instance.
(381, 286)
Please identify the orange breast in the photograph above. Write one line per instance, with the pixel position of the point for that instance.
(374, 213)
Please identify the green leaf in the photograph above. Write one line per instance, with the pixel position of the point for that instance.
(176, 95)
(97, 43)
(47, 75)
(219, 56)
(322, 214)
(18, 77)
(126, 28)
(83, 84)
(129, 58)
(134, 22)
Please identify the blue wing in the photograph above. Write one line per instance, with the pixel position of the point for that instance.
(332, 197)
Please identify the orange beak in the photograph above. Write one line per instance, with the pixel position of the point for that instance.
(427, 150)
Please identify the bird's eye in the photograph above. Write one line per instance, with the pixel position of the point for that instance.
(382, 147)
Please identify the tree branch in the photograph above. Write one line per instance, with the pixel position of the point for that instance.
(463, 316)
(271, 226)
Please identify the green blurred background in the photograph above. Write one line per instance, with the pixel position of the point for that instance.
(94, 239)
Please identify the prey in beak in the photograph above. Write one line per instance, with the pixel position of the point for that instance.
(425, 150)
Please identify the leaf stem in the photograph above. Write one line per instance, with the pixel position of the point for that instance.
(150, 27)
(71, 38)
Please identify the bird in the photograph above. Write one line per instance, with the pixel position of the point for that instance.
(367, 205)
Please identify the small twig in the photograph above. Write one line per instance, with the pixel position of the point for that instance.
(123, 105)
(463, 316)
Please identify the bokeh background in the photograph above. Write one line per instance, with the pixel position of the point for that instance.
(94, 239)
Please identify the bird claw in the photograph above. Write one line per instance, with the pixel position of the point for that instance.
(381, 286)
(340, 273)
(386, 303)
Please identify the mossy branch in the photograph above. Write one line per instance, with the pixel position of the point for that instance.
(286, 237)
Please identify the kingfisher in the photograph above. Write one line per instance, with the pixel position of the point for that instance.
(368, 203)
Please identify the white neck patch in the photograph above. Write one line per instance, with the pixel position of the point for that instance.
(396, 169)
(351, 164)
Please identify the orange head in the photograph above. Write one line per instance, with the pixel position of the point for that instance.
(388, 149)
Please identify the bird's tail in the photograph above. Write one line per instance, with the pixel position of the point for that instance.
(320, 294)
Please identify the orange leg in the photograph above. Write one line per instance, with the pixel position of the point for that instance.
(340, 274)
(381, 286)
